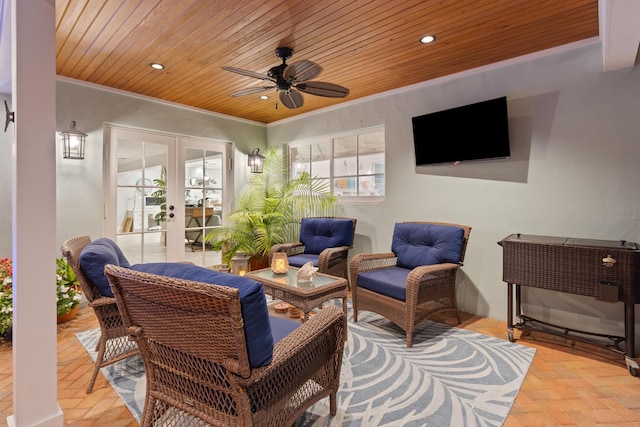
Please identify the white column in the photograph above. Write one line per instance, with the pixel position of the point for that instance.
(34, 215)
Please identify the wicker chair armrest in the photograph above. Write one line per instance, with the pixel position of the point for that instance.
(332, 256)
(300, 347)
(135, 332)
(367, 262)
(291, 249)
(102, 301)
(424, 276)
(296, 250)
(436, 269)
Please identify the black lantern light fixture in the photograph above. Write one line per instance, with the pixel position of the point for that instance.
(256, 160)
(73, 142)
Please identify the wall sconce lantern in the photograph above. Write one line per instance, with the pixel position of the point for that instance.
(256, 160)
(280, 263)
(73, 142)
(239, 264)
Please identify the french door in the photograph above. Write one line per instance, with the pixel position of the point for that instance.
(164, 193)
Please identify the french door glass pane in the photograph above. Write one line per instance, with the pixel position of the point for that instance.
(203, 198)
(141, 185)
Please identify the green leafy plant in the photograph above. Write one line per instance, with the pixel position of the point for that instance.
(160, 195)
(68, 294)
(269, 210)
(6, 295)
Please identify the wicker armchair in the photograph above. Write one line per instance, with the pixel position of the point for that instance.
(325, 241)
(195, 347)
(114, 343)
(414, 281)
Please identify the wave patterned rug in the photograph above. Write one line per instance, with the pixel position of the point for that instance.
(450, 377)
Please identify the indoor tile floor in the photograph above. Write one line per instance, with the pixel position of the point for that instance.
(566, 386)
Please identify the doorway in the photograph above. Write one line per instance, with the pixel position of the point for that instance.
(164, 194)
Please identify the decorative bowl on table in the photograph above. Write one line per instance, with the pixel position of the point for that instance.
(281, 307)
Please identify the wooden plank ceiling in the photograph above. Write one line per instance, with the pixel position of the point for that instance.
(368, 46)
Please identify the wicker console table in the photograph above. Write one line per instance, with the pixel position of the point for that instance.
(604, 269)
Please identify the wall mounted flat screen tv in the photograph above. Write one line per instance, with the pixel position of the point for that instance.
(477, 131)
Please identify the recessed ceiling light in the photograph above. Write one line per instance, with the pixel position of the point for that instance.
(264, 97)
(427, 39)
(157, 66)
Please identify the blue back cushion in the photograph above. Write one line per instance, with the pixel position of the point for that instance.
(426, 244)
(318, 234)
(257, 329)
(95, 256)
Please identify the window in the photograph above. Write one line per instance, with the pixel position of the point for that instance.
(352, 163)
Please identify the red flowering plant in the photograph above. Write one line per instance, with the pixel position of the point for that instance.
(6, 295)
(68, 294)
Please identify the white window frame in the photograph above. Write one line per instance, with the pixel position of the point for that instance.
(333, 174)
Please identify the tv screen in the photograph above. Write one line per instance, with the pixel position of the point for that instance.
(477, 131)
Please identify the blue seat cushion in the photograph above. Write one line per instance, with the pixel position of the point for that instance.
(426, 244)
(281, 327)
(302, 259)
(95, 256)
(257, 329)
(391, 282)
(318, 234)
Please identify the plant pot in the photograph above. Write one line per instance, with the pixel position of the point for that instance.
(68, 316)
(8, 334)
(257, 262)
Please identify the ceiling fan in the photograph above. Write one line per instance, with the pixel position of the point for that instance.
(290, 80)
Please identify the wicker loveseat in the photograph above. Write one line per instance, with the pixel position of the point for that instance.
(416, 279)
(213, 355)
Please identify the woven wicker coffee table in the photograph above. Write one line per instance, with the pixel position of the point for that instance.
(304, 295)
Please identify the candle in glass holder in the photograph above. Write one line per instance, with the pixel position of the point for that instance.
(239, 264)
(280, 263)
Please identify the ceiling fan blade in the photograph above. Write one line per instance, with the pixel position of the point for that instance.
(248, 73)
(329, 90)
(291, 98)
(250, 90)
(301, 71)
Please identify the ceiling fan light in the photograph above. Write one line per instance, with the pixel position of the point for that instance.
(288, 77)
(427, 39)
(264, 97)
(157, 66)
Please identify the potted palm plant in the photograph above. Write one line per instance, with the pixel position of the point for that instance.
(269, 211)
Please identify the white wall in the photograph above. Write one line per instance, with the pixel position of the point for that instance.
(574, 171)
(79, 182)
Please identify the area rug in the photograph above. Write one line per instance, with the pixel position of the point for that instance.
(450, 377)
